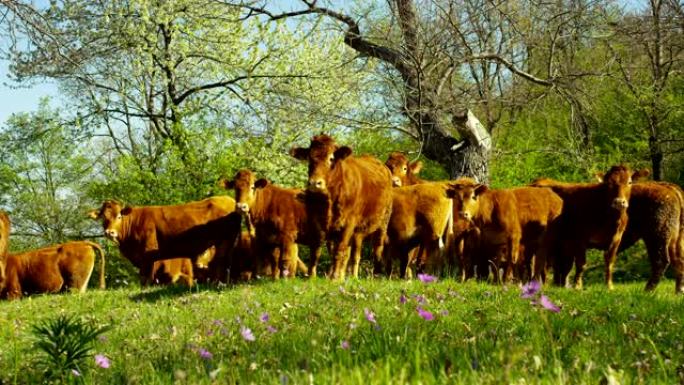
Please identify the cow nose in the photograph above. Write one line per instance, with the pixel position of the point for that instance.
(620, 203)
(464, 215)
(243, 207)
(396, 182)
(111, 233)
(317, 184)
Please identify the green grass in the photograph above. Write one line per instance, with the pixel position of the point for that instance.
(489, 336)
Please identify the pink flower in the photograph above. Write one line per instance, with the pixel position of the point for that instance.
(247, 334)
(370, 316)
(102, 361)
(271, 329)
(427, 278)
(76, 373)
(286, 273)
(205, 354)
(420, 298)
(426, 315)
(444, 313)
(264, 317)
(344, 344)
(548, 305)
(402, 299)
(530, 289)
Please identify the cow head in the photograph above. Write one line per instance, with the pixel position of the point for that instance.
(245, 185)
(323, 156)
(403, 171)
(111, 213)
(465, 192)
(618, 183)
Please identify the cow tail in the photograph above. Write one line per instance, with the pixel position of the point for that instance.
(98, 248)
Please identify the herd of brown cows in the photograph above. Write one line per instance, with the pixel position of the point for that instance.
(519, 233)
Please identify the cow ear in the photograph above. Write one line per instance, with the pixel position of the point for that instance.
(342, 152)
(481, 188)
(416, 167)
(261, 183)
(94, 214)
(299, 153)
(126, 210)
(643, 173)
(227, 184)
(599, 176)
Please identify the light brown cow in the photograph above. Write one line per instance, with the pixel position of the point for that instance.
(594, 215)
(52, 269)
(170, 271)
(404, 172)
(421, 216)
(280, 220)
(150, 233)
(656, 215)
(359, 190)
(4, 242)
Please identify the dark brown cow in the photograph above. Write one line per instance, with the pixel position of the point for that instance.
(249, 261)
(656, 215)
(421, 216)
(280, 220)
(150, 233)
(359, 190)
(404, 172)
(170, 271)
(4, 242)
(52, 269)
(594, 215)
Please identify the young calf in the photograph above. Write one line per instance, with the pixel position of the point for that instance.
(594, 215)
(280, 220)
(404, 172)
(52, 269)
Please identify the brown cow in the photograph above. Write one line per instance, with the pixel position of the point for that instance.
(404, 172)
(594, 215)
(421, 216)
(359, 190)
(656, 215)
(150, 233)
(4, 242)
(170, 271)
(52, 269)
(280, 220)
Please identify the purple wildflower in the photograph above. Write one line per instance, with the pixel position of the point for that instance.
(264, 317)
(102, 361)
(370, 316)
(247, 334)
(204, 353)
(427, 278)
(420, 298)
(402, 299)
(344, 344)
(426, 315)
(530, 289)
(218, 322)
(548, 305)
(271, 329)
(444, 313)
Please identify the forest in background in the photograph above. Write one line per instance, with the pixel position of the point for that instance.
(159, 99)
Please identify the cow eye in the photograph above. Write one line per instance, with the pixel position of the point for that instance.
(474, 197)
(118, 216)
(404, 168)
(253, 188)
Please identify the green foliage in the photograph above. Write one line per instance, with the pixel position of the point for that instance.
(481, 334)
(65, 343)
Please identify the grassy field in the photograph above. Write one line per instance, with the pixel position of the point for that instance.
(316, 331)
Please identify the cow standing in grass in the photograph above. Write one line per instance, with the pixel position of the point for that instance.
(4, 242)
(280, 219)
(151, 233)
(52, 269)
(359, 192)
(656, 215)
(594, 215)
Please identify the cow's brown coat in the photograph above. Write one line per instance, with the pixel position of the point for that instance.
(4, 242)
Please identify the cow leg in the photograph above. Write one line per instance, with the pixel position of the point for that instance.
(658, 256)
(274, 261)
(289, 255)
(146, 274)
(610, 255)
(513, 251)
(341, 254)
(315, 250)
(677, 259)
(357, 247)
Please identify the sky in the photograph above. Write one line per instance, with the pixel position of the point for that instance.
(23, 98)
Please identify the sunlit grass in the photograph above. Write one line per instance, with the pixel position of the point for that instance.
(318, 331)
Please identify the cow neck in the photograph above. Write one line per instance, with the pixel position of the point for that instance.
(127, 222)
(338, 190)
(485, 210)
(262, 201)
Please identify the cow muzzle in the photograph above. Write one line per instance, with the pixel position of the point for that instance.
(243, 207)
(620, 203)
(396, 182)
(316, 184)
(465, 215)
(112, 234)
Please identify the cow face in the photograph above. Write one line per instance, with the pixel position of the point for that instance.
(402, 170)
(618, 182)
(111, 213)
(465, 194)
(245, 186)
(323, 156)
